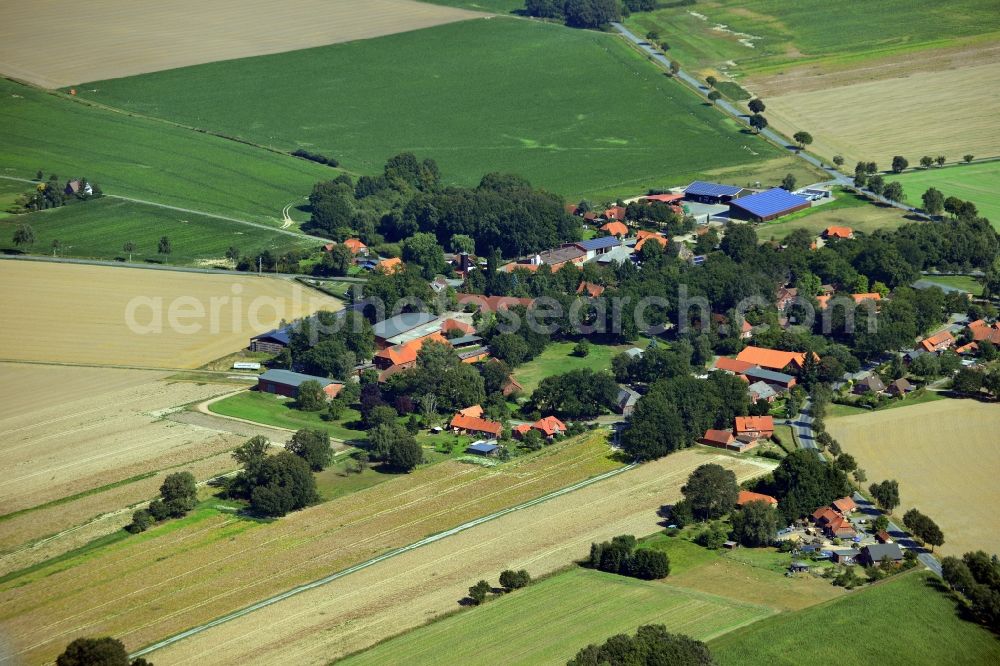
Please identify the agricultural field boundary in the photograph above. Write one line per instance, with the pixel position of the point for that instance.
(381, 558)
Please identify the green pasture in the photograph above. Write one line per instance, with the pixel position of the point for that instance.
(577, 112)
(99, 228)
(829, 34)
(147, 159)
(558, 358)
(978, 183)
(279, 412)
(888, 623)
(548, 622)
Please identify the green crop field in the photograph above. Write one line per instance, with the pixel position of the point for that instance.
(779, 33)
(98, 229)
(550, 621)
(577, 112)
(147, 159)
(978, 183)
(889, 623)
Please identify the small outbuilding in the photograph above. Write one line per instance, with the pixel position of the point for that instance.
(484, 447)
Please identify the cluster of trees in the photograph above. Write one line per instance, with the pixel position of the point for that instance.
(652, 645)
(866, 175)
(276, 485)
(973, 382)
(408, 204)
(586, 13)
(328, 344)
(104, 651)
(677, 411)
(621, 556)
(922, 527)
(510, 580)
(178, 495)
(50, 194)
(976, 576)
(576, 394)
(802, 482)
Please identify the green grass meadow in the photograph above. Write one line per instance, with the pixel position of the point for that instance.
(558, 358)
(830, 34)
(978, 183)
(98, 229)
(548, 622)
(576, 112)
(903, 621)
(279, 412)
(147, 159)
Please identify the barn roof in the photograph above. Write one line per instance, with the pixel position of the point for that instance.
(598, 243)
(772, 202)
(282, 335)
(705, 189)
(401, 323)
(289, 378)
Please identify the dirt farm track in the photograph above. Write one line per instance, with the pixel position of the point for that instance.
(944, 455)
(80, 314)
(62, 42)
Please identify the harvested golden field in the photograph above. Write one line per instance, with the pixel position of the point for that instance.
(106, 40)
(946, 112)
(100, 315)
(393, 596)
(71, 430)
(944, 455)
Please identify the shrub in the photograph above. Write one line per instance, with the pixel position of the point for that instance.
(513, 580)
(142, 520)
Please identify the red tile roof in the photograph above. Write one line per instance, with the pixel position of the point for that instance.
(474, 410)
(934, 341)
(754, 424)
(549, 425)
(732, 365)
(838, 232)
(665, 198)
(476, 424)
(451, 324)
(390, 265)
(772, 359)
(615, 213)
(407, 352)
(844, 505)
(593, 290)
(656, 237)
(493, 303)
(355, 245)
(718, 437)
(616, 228)
(745, 497)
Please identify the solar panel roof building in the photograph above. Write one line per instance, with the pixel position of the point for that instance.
(601, 243)
(711, 193)
(769, 205)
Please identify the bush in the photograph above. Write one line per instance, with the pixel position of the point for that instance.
(158, 510)
(649, 564)
(479, 591)
(582, 349)
(316, 157)
(514, 580)
(142, 520)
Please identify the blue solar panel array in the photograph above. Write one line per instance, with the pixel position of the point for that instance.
(700, 188)
(771, 202)
(598, 243)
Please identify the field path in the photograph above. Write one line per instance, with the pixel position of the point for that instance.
(356, 607)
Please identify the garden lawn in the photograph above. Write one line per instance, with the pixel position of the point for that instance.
(277, 411)
(576, 112)
(900, 621)
(147, 159)
(558, 358)
(978, 183)
(550, 621)
(966, 282)
(99, 228)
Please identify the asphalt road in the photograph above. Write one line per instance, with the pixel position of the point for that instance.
(900, 536)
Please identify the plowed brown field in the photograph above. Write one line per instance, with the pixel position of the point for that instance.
(102, 315)
(65, 42)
